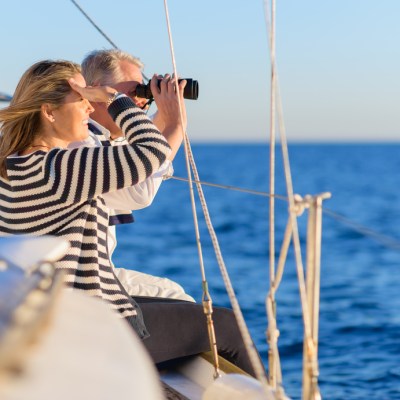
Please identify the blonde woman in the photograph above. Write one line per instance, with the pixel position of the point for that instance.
(48, 189)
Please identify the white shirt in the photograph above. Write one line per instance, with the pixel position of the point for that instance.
(134, 197)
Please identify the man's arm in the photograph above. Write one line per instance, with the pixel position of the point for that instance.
(140, 195)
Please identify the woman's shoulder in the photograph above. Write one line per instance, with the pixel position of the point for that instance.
(18, 167)
(16, 159)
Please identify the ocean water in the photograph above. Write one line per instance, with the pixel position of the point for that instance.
(359, 346)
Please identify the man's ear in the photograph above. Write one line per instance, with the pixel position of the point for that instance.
(47, 112)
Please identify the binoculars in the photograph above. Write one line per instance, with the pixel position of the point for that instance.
(190, 92)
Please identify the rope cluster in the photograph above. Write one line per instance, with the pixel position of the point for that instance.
(309, 291)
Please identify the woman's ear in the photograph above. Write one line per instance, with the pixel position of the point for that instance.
(47, 112)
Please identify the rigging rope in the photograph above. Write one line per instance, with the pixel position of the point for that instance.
(229, 187)
(292, 206)
(385, 240)
(272, 147)
(94, 24)
(254, 359)
(207, 301)
(100, 30)
(274, 368)
(379, 237)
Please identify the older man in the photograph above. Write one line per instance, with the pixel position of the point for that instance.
(123, 72)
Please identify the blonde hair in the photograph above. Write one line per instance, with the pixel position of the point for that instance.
(102, 67)
(44, 82)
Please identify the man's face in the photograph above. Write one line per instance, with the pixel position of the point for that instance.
(131, 76)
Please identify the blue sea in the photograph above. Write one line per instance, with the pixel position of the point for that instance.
(359, 335)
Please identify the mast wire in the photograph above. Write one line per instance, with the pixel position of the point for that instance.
(101, 31)
(94, 24)
(385, 240)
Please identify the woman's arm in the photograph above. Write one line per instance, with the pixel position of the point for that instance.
(140, 195)
(81, 174)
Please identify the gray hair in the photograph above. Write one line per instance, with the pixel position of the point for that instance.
(101, 67)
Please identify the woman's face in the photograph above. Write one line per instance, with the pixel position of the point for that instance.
(71, 118)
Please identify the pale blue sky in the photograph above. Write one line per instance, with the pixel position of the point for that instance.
(338, 61)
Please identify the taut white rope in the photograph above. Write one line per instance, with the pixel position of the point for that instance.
(255, 361)
(309, 343)
(207, 301)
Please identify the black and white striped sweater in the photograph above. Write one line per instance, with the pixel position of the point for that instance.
(60, 193)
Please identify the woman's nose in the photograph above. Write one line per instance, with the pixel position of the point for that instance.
(89, 106)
